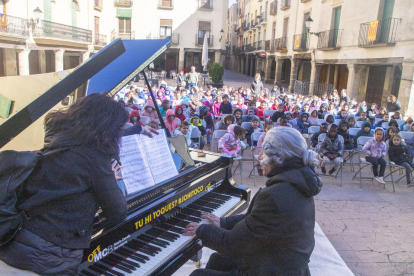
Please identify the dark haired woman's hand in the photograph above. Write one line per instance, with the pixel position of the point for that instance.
(146, 130)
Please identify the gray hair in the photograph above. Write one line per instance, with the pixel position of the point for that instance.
(284, 143)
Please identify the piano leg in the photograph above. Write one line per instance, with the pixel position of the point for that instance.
(197, 258)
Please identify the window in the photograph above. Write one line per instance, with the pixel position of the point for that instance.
(124, 25)
(165, 28)
(204, 28)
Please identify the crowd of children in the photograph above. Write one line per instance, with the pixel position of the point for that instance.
(228, 108)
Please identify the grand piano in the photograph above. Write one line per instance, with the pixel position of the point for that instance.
(150, 240)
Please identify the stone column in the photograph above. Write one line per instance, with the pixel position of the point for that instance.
(247, 65)
(353, 81)
(42, 61)
(181, 55)
(293, 74)
(85, 56)
(336, 78)
(217, 57)
(278, 70)
(59, 59)
(406, 92)
(268, 69)
(9, 62)
(23, 62)
(314, 78)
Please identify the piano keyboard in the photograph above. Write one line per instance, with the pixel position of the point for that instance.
(154, 245)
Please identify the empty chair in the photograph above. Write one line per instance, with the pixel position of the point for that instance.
(358, 124)
(269, 112)
(353, 131)
(196, 134)
(336, 122)
(320, 121)
(384, 125)
(145, 120)
(377, 120)
(217, 134)
(247, 125)
(255, 139)
(406, 135)
(177, 120)
(400, 122)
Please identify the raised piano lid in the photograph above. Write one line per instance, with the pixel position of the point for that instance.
(107, 70)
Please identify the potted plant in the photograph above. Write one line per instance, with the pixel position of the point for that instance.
(216, 72)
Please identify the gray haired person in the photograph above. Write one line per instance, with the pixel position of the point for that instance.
(276, 235)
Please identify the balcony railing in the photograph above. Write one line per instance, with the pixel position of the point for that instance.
(60, 31)
(254, 46)
(244, 25)
(280, 44)
(129, 35)
(267, 45)
(175, 38)
(14, 25)
(378, 32)
(97, 4)
(199, 41)
(165, 4)
(301, 42)
(249, 28)
(330, 39)
(248, 48)
(100, 40)
(205, 4)
(284, 4)
(127, 3)
(260, 45)
(304, 88)
(263, 18)
(273, 8)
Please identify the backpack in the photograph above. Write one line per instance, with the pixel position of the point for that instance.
(15, 168)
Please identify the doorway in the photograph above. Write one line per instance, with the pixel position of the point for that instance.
(375, 85)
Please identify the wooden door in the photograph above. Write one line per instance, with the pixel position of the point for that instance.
(342, 77)
(375, 86)
(170, 63)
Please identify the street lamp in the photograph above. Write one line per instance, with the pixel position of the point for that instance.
(34, 21)
(308, 24)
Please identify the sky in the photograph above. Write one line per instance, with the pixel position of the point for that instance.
(231, 2)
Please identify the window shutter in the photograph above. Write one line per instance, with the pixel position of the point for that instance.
(166, 22)
(204, 26)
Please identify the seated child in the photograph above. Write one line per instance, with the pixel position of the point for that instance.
(153, 125)
(268, 125)
(375, 149)
(362, 116)
(314, 117)
(252, 106)
(329, 118)
(303, 125)
(371, 120)
(351, 122)
(296, 112)
(385, 118)
(238, 114)
(179, 113)
(342, 115)
(410, 145)
(390, 132)
(149, 111)
(254, 128)
(365, 131)
(291, 120)
(315, 136)
(396, 115)
(332, 149)
(186, 110)
(196, 122)
(249, 117)
(343, 131)
(225, 106)
(230, 142)
(283, 122)
(227, 121)
(278, 114)
(134, 118)
(261, 109)
(399, 154)
(406, 125)
(394, 123)
(185, 129)
(165, 105)
(170, 122)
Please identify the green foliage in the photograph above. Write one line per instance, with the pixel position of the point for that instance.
(216, 72)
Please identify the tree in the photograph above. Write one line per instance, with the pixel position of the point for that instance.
(216, 72)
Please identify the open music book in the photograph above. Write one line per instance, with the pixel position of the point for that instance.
(145, 161)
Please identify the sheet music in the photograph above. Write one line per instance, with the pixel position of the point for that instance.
(159, 157)
(136, 172)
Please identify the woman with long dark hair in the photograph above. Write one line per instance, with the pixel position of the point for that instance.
(64, 192)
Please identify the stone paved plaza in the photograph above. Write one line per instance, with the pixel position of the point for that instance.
(371, 227)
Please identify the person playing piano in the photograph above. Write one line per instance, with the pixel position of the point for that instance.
(63, 194)
(276, 235)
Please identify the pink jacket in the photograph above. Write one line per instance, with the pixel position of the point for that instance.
(229, 139)
(153, 114)
(260, 142)
(377, 150)
(216, 108)
(171, 126)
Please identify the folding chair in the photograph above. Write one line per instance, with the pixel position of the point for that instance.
(145, 120)
(406, 135)
(397, 168)
(246, 125)
(196, 134)
(320, 139)
(320, 121)
(177, 120)
(400, 121)
(362, 162)
(269, 112)
(384, 125)
(218, 125)
(244, 111)
(377, 120)
(358, 124)
(255, 138)
(331, 162)
(312, 130)
(356, 118)
(336, 121)
(188, 120)
(353, 131)
(217, 134)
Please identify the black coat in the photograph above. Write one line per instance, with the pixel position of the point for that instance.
(399, 154)
(276, 236)
(392, 107)
(277, 115)
(65, 191)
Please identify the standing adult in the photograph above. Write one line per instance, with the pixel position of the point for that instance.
(393, 104)
(180, 78)
(192, 78)
(276, 235)
(344, 97)
(256, 85)
(63, 193)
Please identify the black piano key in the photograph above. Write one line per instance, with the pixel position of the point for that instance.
(124, 261)
(115, 264)
(172, 229)
(200, 208)
(219, 195)
(189, 218)
(136, 254)
(130, 255)
(189, 211)
(207, 204)
(121, 261)
(181, 224)
(108, 268)
(87, 273)
(158, 232)
(212, 199)
(153, 242)
(100, 271)
(144, 243)
(140, 249)
(149, 238)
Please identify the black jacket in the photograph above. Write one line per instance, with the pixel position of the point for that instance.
(226, 108)
(399, 154)
(277, 115)
(392, 107)
(276, 236)
(63, 194)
